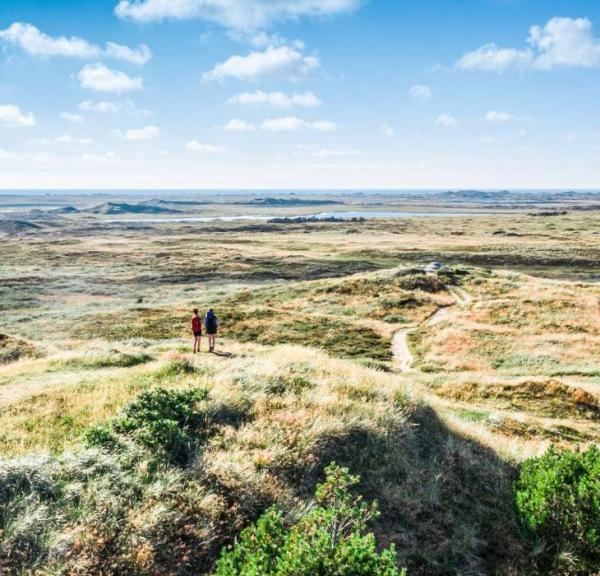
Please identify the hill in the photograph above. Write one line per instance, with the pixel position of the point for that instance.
(9, 226)
(287, 202)
(113, 208)
(437, 390)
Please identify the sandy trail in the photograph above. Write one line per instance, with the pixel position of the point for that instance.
(403, 357)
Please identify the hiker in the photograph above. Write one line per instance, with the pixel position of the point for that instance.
(196, 329)
(211, 324)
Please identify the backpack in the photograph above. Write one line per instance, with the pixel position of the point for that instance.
(210, 321)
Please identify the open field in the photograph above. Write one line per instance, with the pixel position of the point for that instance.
(334, 345)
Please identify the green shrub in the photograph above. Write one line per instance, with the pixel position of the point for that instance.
(112, 359)
(175, 367)
(558, 498)
(164, 421)
(13, 349)
(328, 540)
(420, 281)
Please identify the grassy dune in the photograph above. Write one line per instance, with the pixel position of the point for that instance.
(503, 366)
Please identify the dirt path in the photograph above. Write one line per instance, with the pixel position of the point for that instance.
(403, 357)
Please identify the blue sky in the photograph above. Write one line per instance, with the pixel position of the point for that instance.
(299, 94)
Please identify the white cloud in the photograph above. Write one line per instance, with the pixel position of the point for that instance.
(275, 99)
(498, 117)
(387, 130)
(322, 126)
(11, 115)
(262, 39)
(33, 41)
(142, 134)
(6, 155)
(288, 60)
(196, 146)
(491, 58)
(561, 42)
(140, 55)
(486, 139)
(236, 125)
(102, 79)
(100, 107)
(420, 92)
(292, 124)
(67, 139)
(75, 118)
(108, 157)
(236, 14)
(446, 120)
(327, 153)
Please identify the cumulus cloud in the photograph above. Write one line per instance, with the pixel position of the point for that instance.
(33, 41)
(288, 60)
(498, 117)
(275, 99)
(561, 42)
(100, 107)
(236, 14)
(75, 118)
(446, 120)
(236, 125)
(195, 146)
(11, 115)
(140, 55)
(293, 124)
(420, 92)
(142, 134)
(102, 79)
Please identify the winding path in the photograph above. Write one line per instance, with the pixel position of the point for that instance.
(403, 357)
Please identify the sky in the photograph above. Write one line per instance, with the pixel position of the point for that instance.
(299, 94)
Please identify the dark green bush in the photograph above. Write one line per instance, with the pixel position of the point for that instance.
(165, 421)
(558, 498)
(328, 540)
(421, 281)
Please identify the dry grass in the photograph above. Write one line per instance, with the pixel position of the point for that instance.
(100, 318)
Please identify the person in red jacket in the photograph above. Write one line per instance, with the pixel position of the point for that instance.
(196, 325)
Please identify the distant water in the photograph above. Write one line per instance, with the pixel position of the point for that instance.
(319, 216)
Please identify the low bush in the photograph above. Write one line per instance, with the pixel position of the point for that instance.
(112, 359)
(421, 281)
(558, 498)
(176, 365)
(165, 421)
(331, 539)
(13, 349)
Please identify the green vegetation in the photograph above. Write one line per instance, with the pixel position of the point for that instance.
(328, 540)
(112, 359)
(558, 498)
(124, 454)
(13, 349)
(167, 422)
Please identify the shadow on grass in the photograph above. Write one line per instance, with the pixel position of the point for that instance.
(446, 502)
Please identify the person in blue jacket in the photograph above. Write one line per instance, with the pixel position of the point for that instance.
(211, 325)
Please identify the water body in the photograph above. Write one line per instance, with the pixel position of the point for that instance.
(318, 216)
